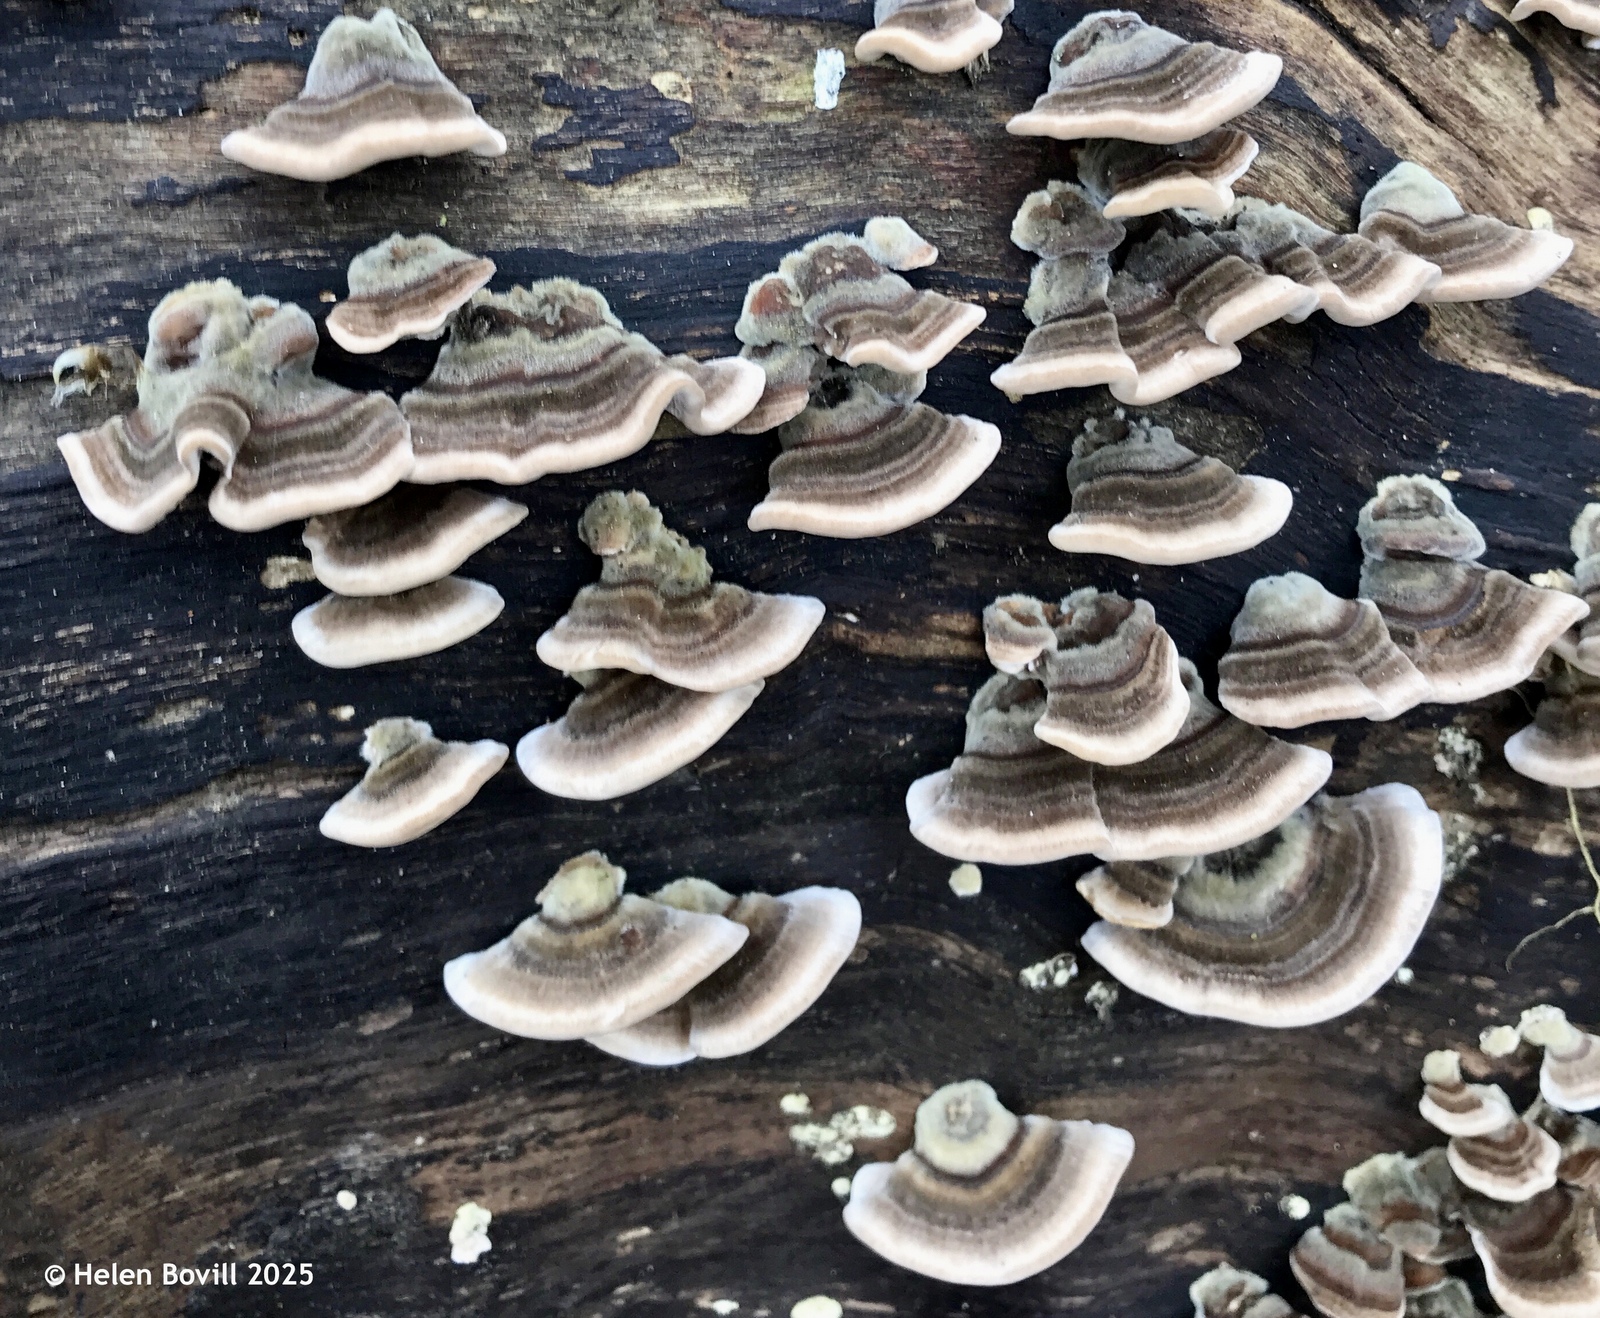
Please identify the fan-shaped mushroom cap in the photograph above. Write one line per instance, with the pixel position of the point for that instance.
(1008, 798)
(411, 536)
(659, 1040)
(1299, 926)
(405, 288)
(1300, 654)
(860, 312)
(1452, 1105)
(983, 1199)
(625, 731)
(1218, 290)
(1562, 744)
(1114, 75)
(1411, 515)
(1109, 669)
(1348, 1269)
(788, 372)
(1063, 219)
(1541, 1258)
(1135, 893)
(655, 609)
(1569, 1076)
(545, 378)
(1411, 1202)
(1479, 257)
(1075, 342)
(1132, 178)
(1356, 281)
(1580, 645)
(344, 631)
(936, 36)
(857, 463)
(1580, 15)
(797, 944)
(230, 376)
(592, 961)
(1218, 784)
(894, 243)
(1469, 630)
(1226, 1292)
(1511, 1164)
(372, 93)
(1579, 1138)
(1169, 351)
(413, 783)
(1139, 494)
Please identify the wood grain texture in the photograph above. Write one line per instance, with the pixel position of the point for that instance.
(215, 1019)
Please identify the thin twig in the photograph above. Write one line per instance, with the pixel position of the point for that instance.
(1588, 860)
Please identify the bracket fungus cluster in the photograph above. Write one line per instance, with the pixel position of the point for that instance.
(1101, 679)
(669, 660)
(545, 378)
(1157, 311)
(983, 1197)
(1299, 925)
(1430, 624)
(230, 377)
(692, 972)
(933, 36)
(845, 345)
(1514, 1192)
(1139, 494)
(413, 783)
(372, 93)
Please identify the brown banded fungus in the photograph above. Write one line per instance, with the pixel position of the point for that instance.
(1110, 671)
(1132, 178)
(1562, 744)
(351, 631)
(1511, 1164)
(405, 288)
(1479, 257)
(1300, 654)
(1541, 1257)
(865, 458)
(1469, 630)
(1579, 1138)
(624, 731)
(1114, 75)
(935, 36)
(413, 783)
(229, 377)
(411, 536)
(798, 942)
(372, 93)
(594, 959)
(1012, 799)
(1301, 925)
(656, 610)
(545, 378)
(1135, 893)
(1452, 1105)
(1139, 494)
(984, 1198)
(1412, 1203)
(1580, 645)
(1348, 1269)
(1227, 1292)
(1569, 1076)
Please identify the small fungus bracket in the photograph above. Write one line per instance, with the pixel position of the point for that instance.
(641, 119)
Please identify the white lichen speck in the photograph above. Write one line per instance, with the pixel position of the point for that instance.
(966, 880)
(1499, 1040)
(1055, 973)
(1102, 997)
(1296, 1207)
(345, 1199)
(827, 76)
(840, 1186)
(817, 1306)
(834, 1143)
(795, 1105)
(1459, 757)
(469, 1233)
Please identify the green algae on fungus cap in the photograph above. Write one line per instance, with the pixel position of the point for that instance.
(372, 93)
(594, 959)
(984, 1198)
(413, 783)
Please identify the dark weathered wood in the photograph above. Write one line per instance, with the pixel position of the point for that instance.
(214, 1019)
